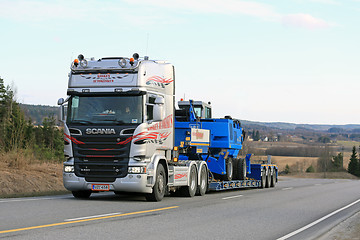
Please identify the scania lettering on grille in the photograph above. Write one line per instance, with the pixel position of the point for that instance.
(100, 131)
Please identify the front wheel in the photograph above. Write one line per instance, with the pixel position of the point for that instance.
(159, 187)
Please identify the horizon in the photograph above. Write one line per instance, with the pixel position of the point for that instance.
(291, 61)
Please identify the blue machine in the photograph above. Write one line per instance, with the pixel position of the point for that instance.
(220, 150)
(218, 142)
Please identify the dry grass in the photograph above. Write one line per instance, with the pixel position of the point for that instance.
(22, 175)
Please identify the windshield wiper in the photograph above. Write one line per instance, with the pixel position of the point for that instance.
(84, 122)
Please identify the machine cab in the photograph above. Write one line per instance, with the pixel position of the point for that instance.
(201, 110)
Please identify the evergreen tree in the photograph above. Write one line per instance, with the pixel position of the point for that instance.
(354, 162)
(337, 161)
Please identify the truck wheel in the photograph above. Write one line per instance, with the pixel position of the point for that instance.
(242, 169)
(189, 191)
(203, 185)
(84, 194)
(159, 187)
(229, 170)
(263, 178)
(268, 176)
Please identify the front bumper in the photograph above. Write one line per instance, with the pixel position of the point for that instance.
(131, 183)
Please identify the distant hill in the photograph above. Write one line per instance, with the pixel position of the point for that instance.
(38, 112)
(309, 127)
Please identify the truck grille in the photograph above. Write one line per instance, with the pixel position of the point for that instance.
(101, 158)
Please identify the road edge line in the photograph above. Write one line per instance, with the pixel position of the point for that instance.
(317, 221)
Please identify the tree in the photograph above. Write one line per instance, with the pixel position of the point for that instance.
(324, 161)
(257, 136)
(354, 162)
(310, 169)
(338, 161)
(287, 169)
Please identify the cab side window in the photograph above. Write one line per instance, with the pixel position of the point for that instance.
(150, 102)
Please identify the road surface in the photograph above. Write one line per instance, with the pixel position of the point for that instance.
(294, 209)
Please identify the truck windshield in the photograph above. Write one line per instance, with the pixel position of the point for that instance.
(105, 110)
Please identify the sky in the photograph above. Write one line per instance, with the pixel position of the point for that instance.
(292, 61)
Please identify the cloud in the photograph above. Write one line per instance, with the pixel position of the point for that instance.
(259, 10)
(332, 2)
(302, 20)
(37, 11)
(106, 11)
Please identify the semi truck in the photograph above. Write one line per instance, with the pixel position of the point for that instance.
(123, 133)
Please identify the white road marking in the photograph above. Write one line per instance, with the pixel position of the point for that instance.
(232, 197)
(318, 184)
(317, 221)
(288, 188)
(81, 218)
(29, 199)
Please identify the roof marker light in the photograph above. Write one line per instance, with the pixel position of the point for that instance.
(131, 61)
(122, 62)
(83, 63)
(76, 62)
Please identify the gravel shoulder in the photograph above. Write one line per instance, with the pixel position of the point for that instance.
(346, 230)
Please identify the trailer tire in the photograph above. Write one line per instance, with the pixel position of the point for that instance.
(263, 178)
(273, 179)
(242, 169)
(159, 188)
(84, 194)
(268, 178)
(203, 184)
(189, 191)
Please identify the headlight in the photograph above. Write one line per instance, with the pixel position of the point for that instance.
(68, 169)
(137, 170)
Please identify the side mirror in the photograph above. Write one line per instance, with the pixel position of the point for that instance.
(61, 101)
(159, 109)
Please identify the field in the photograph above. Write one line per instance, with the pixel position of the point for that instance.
(23, 175)
(299, 164)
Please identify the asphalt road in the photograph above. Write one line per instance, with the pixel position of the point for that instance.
(294, 209)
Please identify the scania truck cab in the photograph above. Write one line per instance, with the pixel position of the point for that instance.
(119, 124)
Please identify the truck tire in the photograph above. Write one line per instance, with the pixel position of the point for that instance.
(189, 191)
(203, 184)
(229, 170)
(268, 178)
(84, 194)
(263, 178)
(159, 188)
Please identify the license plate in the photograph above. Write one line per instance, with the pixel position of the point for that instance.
(100, 187)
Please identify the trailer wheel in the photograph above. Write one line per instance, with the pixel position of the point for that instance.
(84, 194)
(229, 170)
(263, 178)
(159, 187)
(242, 169)
(189, 191)
(273, 179)
(268, 176)
(203, 185)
